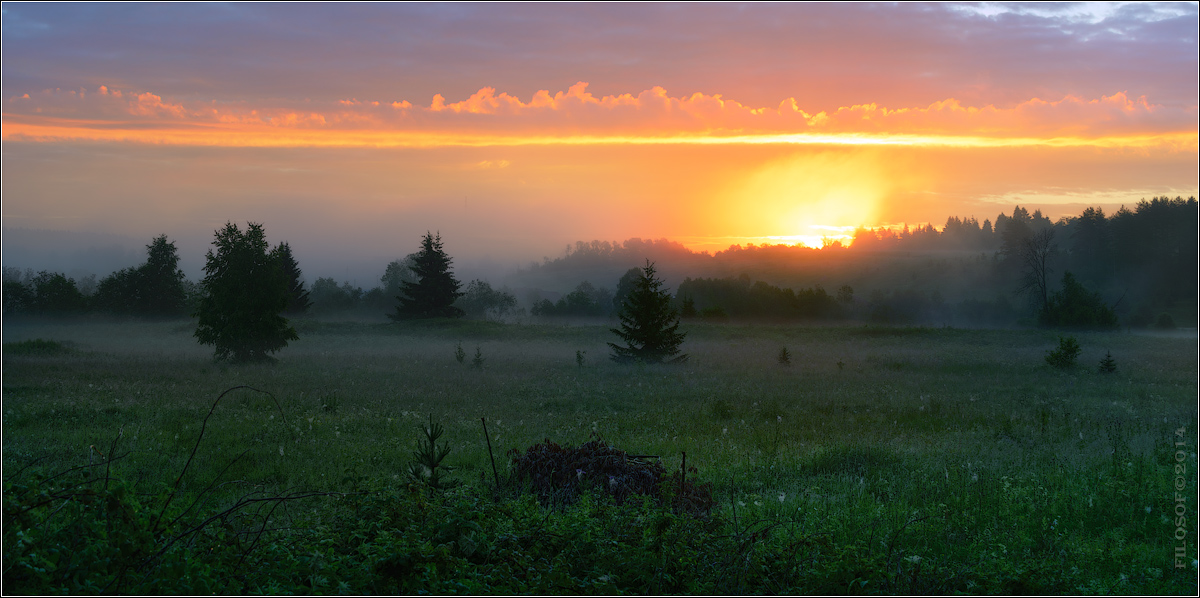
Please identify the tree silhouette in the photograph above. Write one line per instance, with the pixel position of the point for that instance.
(153, 289)
(298, 298)
(1034, 253)
(1076, 307)
(649, 325)
(246, 290)
(436, 289)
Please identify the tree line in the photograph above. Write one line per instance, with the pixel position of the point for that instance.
(1090, 270)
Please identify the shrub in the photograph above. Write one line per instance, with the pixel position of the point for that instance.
(1164, 322)
(1076, 307)
(560, 475)
(1065, 355)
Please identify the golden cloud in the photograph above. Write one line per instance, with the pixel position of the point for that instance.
(578, 117)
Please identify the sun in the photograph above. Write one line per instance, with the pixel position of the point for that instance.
(809, 199)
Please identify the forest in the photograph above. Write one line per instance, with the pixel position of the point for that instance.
(1139, 264)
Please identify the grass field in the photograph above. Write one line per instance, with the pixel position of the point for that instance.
(889, 460)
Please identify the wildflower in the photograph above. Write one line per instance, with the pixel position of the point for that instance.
(1147, 510)
(579, 474)
(724, 431)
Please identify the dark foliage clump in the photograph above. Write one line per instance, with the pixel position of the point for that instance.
(649, 325)
(559, 475)
(436, 289)
(246, 291)
(1076, 307)
(298, 300)
(585, 300)
(1065, 355)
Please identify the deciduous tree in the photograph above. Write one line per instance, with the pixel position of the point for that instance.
(246, 290)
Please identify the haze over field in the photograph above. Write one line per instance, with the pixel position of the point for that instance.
(515, 130)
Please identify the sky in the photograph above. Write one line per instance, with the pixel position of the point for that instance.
(516, 129)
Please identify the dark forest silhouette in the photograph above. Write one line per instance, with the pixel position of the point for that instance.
(1134, 267)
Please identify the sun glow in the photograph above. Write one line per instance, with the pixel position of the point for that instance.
(811, 199)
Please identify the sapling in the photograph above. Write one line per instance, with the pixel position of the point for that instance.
(1108, 365)
(459, 354)
(1065, 355)
(477, 361)
(426, 466)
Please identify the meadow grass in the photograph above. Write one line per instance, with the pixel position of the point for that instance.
(881, 460)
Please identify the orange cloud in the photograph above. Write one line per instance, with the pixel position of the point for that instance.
(578, 117)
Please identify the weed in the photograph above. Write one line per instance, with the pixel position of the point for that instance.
(459, 354)
(477, 361)
(784, 358)
(36, 346)
(1065, 355)
(722, 410)
(579, 357)
(329, 401)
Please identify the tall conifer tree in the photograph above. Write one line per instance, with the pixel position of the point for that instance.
(436, 289)
(649, 325)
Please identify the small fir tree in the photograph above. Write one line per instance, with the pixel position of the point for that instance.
(246, 290)
(1108, 365)
(436, 289)
(649, 325)
(784, 358)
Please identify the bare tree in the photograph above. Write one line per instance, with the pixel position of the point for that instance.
(1034, 253)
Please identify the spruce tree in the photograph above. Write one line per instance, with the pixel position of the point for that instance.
(649, 325)
(161, 280)
(298, 301)
(436, 289)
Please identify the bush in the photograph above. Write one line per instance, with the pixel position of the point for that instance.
(1065, 355)
(1076, 307)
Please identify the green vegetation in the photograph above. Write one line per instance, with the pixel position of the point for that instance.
(246, 290)
(934, 460)
(1065, 355)
(435, 290)
(649, 325)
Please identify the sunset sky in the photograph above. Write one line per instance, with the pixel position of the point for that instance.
(516, 129)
